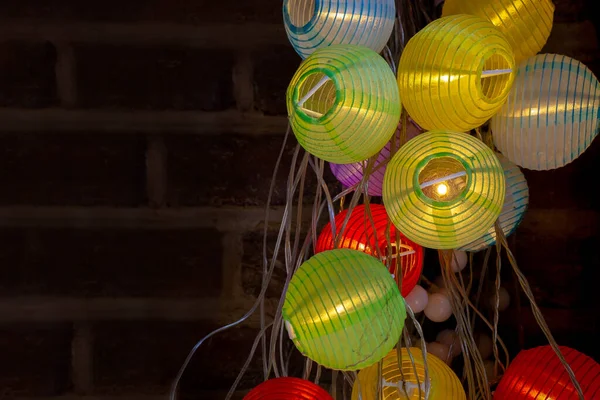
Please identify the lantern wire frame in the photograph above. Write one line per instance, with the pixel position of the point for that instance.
(276, 349)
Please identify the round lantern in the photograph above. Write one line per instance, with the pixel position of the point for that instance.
(455, 73)
(525, 23)
(443, 190)
(369, 236)
(538, 374)
(343, 103)
(314, 24)
(343, 309)
(551, 115)
(351, 174)
(444, 384)
(288, 388)
(515, 205)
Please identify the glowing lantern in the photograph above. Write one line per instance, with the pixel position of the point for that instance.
(288, 388)
(443, 190)
(343, 104)
(343, 309)
(314, 24)
(444, 383)
(455, 73)
(351, 174)
(525, 23)
(369, 236)
(538, 374)
(551, 115)
(515, 205)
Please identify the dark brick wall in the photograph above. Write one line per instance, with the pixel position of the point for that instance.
(73, 171)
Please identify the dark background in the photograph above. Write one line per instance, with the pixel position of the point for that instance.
(137, 142)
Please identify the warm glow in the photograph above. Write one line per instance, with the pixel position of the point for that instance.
(442, 189)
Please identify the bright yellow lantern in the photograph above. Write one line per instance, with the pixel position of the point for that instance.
(443, 190)
(525, 23)
(395, 376)
(455, 73)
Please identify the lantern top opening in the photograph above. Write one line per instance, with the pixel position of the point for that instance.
(299, 14)
(441, 179)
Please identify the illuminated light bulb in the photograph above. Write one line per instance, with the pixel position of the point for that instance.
(442, 189)
(450, 338)
(417, 299)
(438, 308)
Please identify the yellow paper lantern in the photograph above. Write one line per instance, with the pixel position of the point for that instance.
(513, 211)
(551, 115)
(343, 103)
(455, 73)
(443, 190)
(313, 24)
(525, 23)
(343, 309)
(444, 384)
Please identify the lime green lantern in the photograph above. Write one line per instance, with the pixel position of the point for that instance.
(343, 309)
(343, 103)
(444, 190)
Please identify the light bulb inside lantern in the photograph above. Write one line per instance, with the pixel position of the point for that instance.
(442, 189)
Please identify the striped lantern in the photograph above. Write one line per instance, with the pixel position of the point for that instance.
(538, 374)
(525, 23)
(513, 211)
(343, 104)
(314, 24)
(444, 384)
(366, 232)
(551, 115)
(351, 174)
(444, 190)
(441, 73)
(343, 309)
(287, 388)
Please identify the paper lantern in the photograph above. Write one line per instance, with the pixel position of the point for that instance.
(351, 174)
(538, 374)
(369, 236)
(525, 23)
(445, 385)
(441, 73)
(343, 309)
(314, 24)
(515, 205)
(443, 190)
(343, 103)
(287, 388)
(551, 115)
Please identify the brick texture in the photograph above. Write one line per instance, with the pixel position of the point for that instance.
(154, 78)
(27, 76)
(231, 170)
(34, 360)
(145, 357)
(252, 265)
(182, 11)
(67, 170)
(273, 71)
(72, 262)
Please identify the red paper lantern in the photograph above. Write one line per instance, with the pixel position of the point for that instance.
(369, 237)
(288, 389)
(538, 374)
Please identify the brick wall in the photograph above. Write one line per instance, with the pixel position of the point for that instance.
(137, 141)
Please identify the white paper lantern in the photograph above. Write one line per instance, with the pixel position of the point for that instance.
(551, 115)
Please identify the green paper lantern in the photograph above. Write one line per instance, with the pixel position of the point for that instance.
(343, 103)
(444, 190)
(343, 309)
